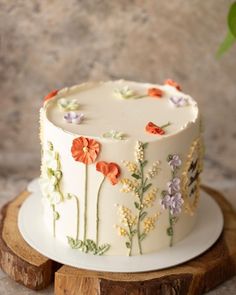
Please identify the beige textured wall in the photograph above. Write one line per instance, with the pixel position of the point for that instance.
(50, 44)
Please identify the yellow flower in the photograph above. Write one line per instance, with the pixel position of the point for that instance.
(131, 166)
(150, 198)
(127, 217)
(128, 185)
(149, 223)
(122, 231)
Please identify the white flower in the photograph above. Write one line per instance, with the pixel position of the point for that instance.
(124, 93)
(55, 197)
(68, 105)
(50, 158)
(139, 152)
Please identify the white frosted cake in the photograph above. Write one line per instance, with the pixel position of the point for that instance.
(120, 166)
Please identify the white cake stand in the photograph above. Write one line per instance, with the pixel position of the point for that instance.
(208, 228)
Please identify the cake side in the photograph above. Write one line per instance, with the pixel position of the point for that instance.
(112, 191)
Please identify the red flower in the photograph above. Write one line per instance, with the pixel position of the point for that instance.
(173, 83)
(155, 92)
(51, 94)
(85, 150)
(154, 129)
(110, 170)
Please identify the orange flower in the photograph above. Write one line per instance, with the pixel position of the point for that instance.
(85, 150)
(154, 129)
(110, 170)
(155, 92)
(51, 94)
(173, 83)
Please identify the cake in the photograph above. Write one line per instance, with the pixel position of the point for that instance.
(120, 168)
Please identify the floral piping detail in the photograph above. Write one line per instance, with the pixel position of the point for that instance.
(50, 181)
(109, 170)
(179, 101)
(173, 84)
(68, 105)
(172, 198)
(154, 129)
(127, 93)
(85, 150)
(139, 225)
(155, 92)
(51, 95)
(114, 135)
(73, 117)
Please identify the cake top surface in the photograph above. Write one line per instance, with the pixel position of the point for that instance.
(122, 110)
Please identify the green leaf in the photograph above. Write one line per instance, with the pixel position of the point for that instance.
(170, 231)
(102, 249)
(143, 215)
(135, 176)
(144, 163)
(142, 236)
(232, 19)
(145, 145)
(128, 245)
(137, 205)
(146, 187)
(133, 232)
(56, 215)
(58, 174)
(226, 44)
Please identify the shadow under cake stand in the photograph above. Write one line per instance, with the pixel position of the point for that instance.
(201, 274)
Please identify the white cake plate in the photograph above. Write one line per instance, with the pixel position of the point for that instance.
(208, 228)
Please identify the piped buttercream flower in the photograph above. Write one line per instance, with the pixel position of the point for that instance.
(85, 150)
(51, 94)
(173, 83)
(173, 185)
(177, 202)
(154, 129)
(174, 162)
(68, 104)
(155, 92)
(73, 117)
(109, 170)
(179, 101)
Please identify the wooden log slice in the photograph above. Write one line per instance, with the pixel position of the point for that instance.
(21, 262)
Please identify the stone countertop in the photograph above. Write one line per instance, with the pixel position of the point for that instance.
(46, 45)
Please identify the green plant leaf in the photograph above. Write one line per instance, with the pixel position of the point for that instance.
(143, 215)
(136, 204)
(232, 19)
(128, 245)
(145, 145)
(146, 187)
(136, 176)
(170, 231)
(142, 236)
(226, 44)
(144, 163)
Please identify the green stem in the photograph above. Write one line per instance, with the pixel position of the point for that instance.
(85, 201)
(77, 225)
(140, 210)
(172, 229)
(54, 221)
(130, 240)
(97, 210)
(165, 125)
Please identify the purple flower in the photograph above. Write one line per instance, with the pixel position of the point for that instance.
(175, 162)
(173, 185)
(73, 117)
(176, 204)
(166, 202)
(173, 203)
(179, 101)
